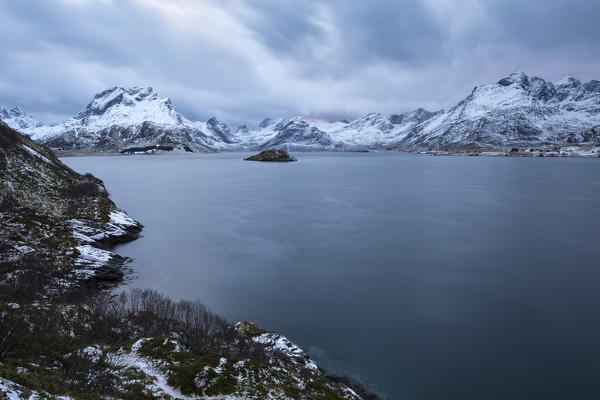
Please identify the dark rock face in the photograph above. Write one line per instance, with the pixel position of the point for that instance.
(592, 135)
(299, 132)
(110, 271)
(264, 123)
(417, 116)
(220, 129)
(64, 218)
(272, 155)
(519, 78)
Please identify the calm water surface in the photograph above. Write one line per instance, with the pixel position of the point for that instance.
(423, 277)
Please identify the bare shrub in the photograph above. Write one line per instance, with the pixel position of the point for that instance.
(7, 203)
(84, 189)
(146, 312)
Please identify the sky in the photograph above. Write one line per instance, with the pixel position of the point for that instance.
(244, 60)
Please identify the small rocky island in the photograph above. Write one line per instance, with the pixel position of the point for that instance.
(272, 155)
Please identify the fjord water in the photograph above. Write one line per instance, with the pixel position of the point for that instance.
(423, 277)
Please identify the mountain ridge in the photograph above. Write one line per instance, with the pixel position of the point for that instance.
(517, 110)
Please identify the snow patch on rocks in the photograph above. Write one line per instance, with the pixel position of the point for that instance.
(13, 391)
(35, 153)
(133, 359)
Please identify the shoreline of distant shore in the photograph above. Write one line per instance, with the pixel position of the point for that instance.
(591, 151)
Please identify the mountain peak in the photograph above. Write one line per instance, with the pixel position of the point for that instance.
(17, 119)
(519, 78)
(417, 116)
(265, 122)
(569, 81)
(297, 120)
(592, 86)
(118, 95)
(218, 128)
(272, 124)
(16, 111)
(141, 90)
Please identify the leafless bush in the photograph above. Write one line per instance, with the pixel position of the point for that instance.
(149, 313)
(80, 373)
(84, 189)
(27, 285)
(154, 314)
(7, 203)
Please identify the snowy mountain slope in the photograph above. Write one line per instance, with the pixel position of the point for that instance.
(414, 117)
(515, 110)
(369, 131)
(297, 134)
(375, 131)
(254, 139)
(17, 119)
(118, 118)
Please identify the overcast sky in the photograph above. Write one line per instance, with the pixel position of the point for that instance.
(243, 60)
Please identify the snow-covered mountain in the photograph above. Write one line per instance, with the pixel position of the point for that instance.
(298, 133)
(371, 131)
(118, 119)
(517, 110)
(17, 119)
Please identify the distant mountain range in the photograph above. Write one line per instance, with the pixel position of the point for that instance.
(516, 111)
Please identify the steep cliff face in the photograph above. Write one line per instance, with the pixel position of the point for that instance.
(56, 216)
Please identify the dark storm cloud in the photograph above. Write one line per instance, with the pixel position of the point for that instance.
(545, 25)
(393, 30)
(242, 60)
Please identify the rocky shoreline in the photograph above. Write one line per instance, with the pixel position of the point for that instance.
(592, 150)
(523, 151)
(62, 336)
(95, 241)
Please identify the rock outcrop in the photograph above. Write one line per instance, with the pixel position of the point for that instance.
(53, 214)
(272, 155)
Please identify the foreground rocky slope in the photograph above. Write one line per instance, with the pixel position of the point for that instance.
(56, 217)
(63, 336)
